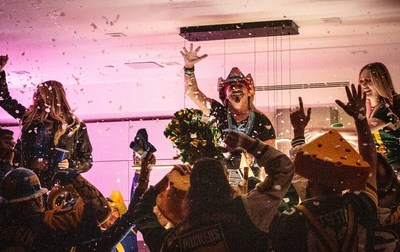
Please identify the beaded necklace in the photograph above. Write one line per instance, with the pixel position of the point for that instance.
(240, 127)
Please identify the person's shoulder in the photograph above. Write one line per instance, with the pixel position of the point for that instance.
(382, 111)
(81, 123)
(217, 109)
(289, 222)
(369, 196)
(215, 103)
(261, 116)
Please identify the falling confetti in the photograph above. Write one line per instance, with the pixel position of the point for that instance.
(277, 187)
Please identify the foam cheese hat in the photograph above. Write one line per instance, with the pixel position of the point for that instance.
(330, 160)
(116, 200)
(169, 202)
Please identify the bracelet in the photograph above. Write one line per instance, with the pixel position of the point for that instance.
(298, 141)
(253, 146)
(188, 71)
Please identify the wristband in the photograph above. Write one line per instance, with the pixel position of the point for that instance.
(298, 141)
(188, 71)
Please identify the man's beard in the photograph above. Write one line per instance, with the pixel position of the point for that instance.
(237, 97)
(241, 104)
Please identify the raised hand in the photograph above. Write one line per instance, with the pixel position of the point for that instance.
(191, 57)
(298, 118)
(3, 61)
(182, 169)
(164, 182)
(236, 139)
(355, 107)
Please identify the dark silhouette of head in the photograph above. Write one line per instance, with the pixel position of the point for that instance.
(209, 187)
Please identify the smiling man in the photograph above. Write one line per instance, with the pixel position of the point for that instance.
(237, 110)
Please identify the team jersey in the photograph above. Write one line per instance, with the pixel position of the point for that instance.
(327, 224)
(387, 139)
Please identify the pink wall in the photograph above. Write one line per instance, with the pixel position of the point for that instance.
(112, 167)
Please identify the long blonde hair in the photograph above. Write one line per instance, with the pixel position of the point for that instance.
(50, 106)
(381, 80)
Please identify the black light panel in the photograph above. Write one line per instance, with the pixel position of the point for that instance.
(239, 30)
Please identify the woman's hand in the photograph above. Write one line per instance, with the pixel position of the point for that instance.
(191, 57)
(236, 139)
(355, 107)
(298, 118)
(64, 164)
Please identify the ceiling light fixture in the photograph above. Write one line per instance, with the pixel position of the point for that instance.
(116, 34)
(239, 30)
(144, 65)
(358, 52)
(332, 20)
(21, 72)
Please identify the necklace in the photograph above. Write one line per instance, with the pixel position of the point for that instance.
(241, 113)
(240, 127)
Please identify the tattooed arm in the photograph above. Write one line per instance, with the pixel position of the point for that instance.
(93, 197)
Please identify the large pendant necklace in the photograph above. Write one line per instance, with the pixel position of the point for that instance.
(240, 127)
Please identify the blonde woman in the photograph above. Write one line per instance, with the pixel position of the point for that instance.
(377, 84)
(46, 125)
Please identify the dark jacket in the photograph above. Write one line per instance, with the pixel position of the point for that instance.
(75, 139)
(241, 226)
(33, 234)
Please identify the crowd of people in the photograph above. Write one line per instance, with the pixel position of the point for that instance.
(324, 196)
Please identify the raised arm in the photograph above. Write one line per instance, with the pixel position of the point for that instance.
(191, 58)
(355, 107)
(10, 105)
(262, 203)
(3, 61)
(145, 218)
(299, 120)
(144, 177)
(116, 232)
